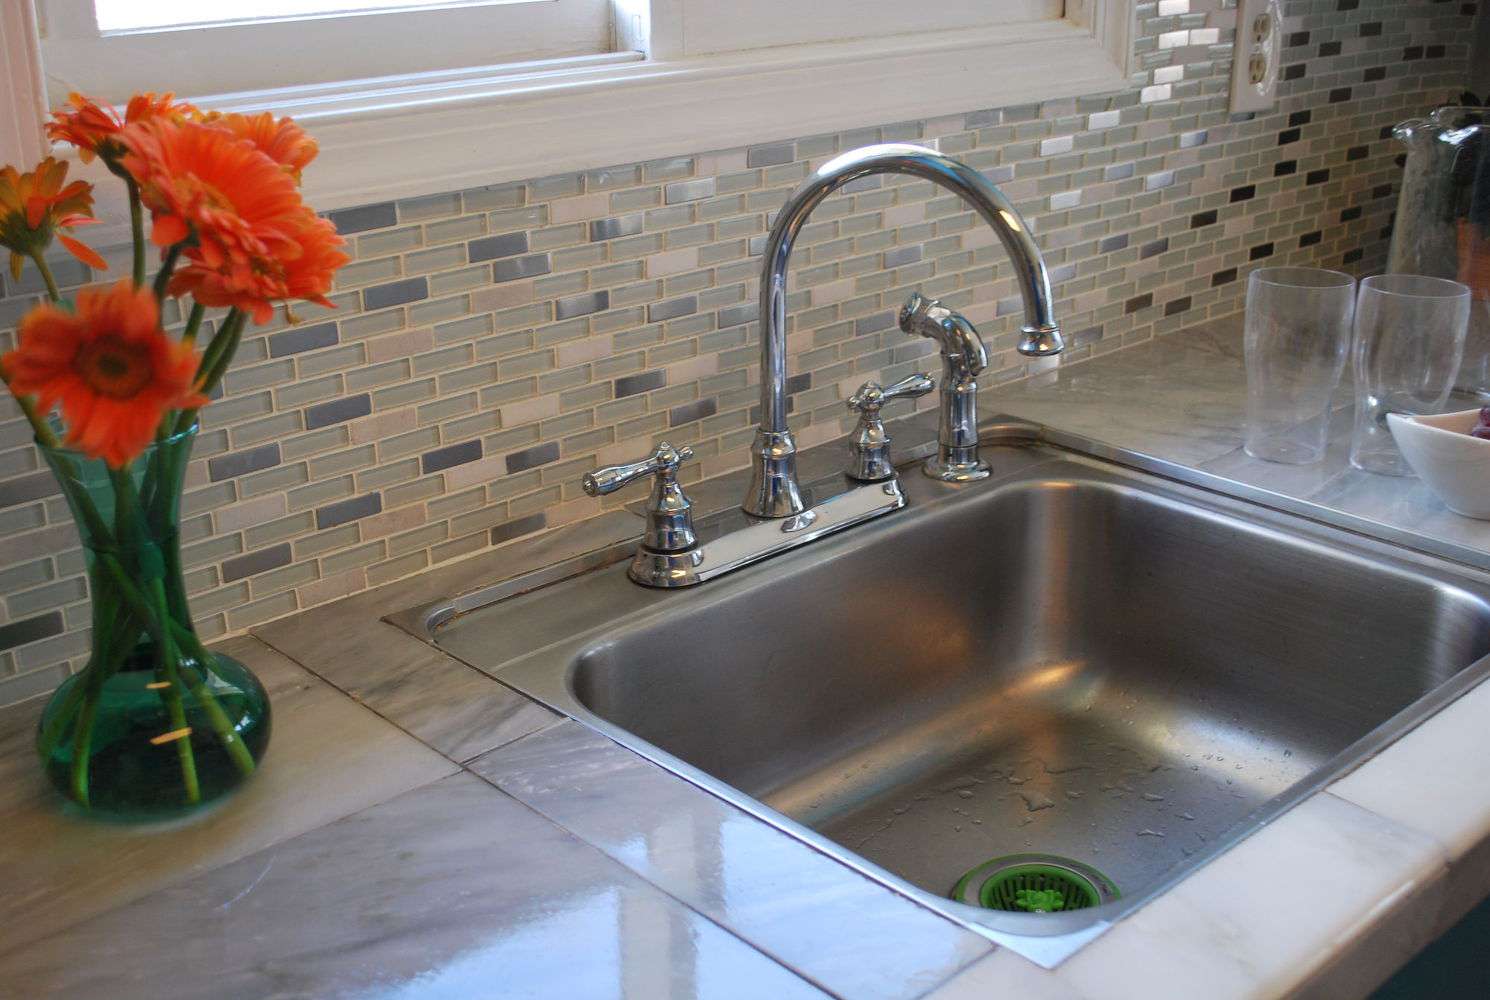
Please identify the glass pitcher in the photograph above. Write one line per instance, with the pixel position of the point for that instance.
(1442, 227)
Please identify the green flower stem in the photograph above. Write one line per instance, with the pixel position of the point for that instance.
(120, 581)
(53, 292)
(82, 737)
(136, 227)
(215, 361)
(171, 695)
(193, 324)
(167, 268)
(114, 653)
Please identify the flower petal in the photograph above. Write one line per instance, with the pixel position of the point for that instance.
(83, 252)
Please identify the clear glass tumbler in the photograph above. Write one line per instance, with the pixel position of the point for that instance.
(1297, 340)
(1409, 340)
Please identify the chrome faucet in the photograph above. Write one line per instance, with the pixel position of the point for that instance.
(774, 491)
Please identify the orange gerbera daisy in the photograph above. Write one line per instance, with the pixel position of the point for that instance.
(304, 272)
(110, 366)
(202, 180)
(283, 141)
(94, 126)
(36, 206)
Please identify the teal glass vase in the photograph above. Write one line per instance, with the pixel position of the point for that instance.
(155, 725)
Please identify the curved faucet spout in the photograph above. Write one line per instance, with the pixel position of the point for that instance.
(773, 489)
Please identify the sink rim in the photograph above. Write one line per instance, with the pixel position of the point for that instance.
(548, 675)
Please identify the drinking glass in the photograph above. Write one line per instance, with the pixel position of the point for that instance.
(1297, 339)
(1409, 339)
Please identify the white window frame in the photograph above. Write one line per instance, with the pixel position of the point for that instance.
(307, 51)
(422, 134)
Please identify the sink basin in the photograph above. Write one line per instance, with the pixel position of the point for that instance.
(1072, 658)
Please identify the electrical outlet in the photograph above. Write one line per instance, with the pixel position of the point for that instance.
(1255, 55)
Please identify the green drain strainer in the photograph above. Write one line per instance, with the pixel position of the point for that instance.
(1034, 883)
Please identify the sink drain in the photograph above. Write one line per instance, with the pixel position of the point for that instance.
(1034, 883)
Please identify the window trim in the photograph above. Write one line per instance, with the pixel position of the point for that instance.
(422, 134)
(310, 50)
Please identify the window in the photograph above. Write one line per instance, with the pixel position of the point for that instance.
(712, 26)
(110, 48)
(415, 97)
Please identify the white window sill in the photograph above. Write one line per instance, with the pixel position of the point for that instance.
(428, 133)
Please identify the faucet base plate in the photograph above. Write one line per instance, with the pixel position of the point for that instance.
(956, 472)
(763, 538)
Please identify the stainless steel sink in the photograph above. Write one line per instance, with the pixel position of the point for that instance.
(1071, 658)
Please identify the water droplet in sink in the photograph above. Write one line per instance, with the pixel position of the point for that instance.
(1150, 833)
(1186, 816)
(901, 810)
(964, 793)
(1016, 781)
(1073, 794)
(1034, 801)
(1151, 797)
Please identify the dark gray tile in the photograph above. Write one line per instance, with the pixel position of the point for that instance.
(630, 385)
(1138, 302)
(1113, 243)
(520, 267)
(357, 220)
(395, 293)
(581, 305)
(798, 383)
(337, 410)
(745, 312)
(516, 529)
(241, 463)
(302, 338)
(771, 156)
(540, 454)
(901, 256)
(343, 511)
(32, 486)
(686, 306)
(696, 190)
(687, 413)
(492, 247)
(30, 629)
(450, 455)
(609, 229)
(1153, 249)
(254, 563)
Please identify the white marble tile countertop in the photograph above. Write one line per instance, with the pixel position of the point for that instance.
(421, 830)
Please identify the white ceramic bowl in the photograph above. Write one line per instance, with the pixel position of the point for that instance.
(1453, 464)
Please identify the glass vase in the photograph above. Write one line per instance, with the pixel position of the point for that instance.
(155, 725)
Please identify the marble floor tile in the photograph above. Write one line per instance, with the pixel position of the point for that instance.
(1005, 974)
(842, 931)
(454, 708)
(1433, 779)
(1259, 920)
(328, 757)
(452, 891)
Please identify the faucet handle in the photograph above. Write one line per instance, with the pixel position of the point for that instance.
(869, 447)
(669, 511)
(871, 395)
(664, 460)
